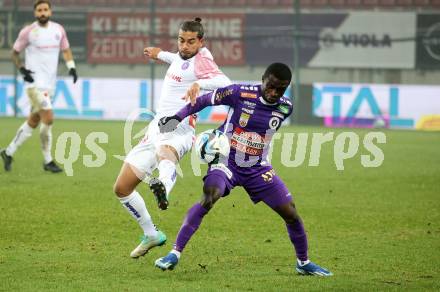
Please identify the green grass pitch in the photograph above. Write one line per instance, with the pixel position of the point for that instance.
(374, 228)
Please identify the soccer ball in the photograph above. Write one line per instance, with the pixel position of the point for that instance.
(211, 145)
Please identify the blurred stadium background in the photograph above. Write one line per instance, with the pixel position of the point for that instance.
(357, 61)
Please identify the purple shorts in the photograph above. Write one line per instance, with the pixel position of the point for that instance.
(260, 182)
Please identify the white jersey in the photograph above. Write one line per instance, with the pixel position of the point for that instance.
(43, 45)
(182, 74)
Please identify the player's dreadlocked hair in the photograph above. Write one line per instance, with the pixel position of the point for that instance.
(194, 26)
(38, 2)
(279, 70)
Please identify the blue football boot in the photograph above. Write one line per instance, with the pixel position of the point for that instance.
(168, 262)
(312, 269)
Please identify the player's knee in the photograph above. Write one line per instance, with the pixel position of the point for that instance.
(290, 214)
(291, 220)
(210, 195)
(47, 121)
(33, 123)
(207, 202)
(166, 152)
(47, 117)
(119, 189)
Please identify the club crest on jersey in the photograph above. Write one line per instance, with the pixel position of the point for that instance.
(244, 118)
(185, 65)
(248, 95)
(57, 37)
(284, 109)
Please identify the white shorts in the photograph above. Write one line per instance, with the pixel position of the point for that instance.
(143, 155)
(40, 99)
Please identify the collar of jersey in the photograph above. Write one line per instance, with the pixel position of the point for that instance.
(265, 102)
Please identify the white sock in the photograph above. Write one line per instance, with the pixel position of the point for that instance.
(303, 263)
(176, 252)
(46, 142)
(135, 205)
(23, 133)
(167, 174)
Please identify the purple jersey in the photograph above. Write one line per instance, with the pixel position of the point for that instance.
(251, 121)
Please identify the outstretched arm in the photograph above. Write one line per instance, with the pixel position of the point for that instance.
(156, 53)
(206, 84)
(202, 102)
(169, 124)
(221, 96)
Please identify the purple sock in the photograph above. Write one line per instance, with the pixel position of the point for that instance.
(190, 225)
(298, 237)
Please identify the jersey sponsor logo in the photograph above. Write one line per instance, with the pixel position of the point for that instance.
(248, 95)
(48, 47)
(174, 77)
(250, 104)
(219, 95)
(252, 88)
(244, 118)
(249, 111)
(185, 65)
(248, 142)
(284, 109)
(222, 168)
(277, 114)
(274, 122)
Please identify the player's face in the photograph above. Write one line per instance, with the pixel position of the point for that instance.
(42, 13)
(273, 88)
(189, 44)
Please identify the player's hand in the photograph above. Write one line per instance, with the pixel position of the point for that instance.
(192, 93)
(72, 72)
(169, 124)
(27, 74)
(152, 52)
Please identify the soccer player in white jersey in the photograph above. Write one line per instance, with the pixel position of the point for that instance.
(191, 70)
(42, 41)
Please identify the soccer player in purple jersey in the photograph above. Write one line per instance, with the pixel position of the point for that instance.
(256, 112)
